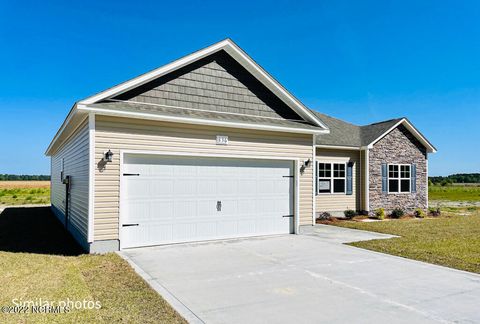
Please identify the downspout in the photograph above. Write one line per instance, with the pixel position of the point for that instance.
(66, 182)
(367, 180)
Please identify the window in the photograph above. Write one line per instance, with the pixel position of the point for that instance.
(324, 177)
(331, 178)
(398, 178)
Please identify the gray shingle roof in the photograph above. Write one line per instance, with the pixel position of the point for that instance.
(210, 115)
(373, 131)
(341, 132)
(349, 135)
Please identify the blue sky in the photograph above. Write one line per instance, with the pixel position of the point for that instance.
(362, 61)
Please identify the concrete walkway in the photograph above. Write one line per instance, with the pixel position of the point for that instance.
(334, 234)
(305, 279)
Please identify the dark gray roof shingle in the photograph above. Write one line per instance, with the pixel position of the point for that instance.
(349, 135)
(341, 132)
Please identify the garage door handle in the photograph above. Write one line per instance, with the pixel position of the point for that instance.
(126, 225)
(289, 216)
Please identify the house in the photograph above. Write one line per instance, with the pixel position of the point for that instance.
(211, 147)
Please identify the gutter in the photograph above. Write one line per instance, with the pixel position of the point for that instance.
(198, 121)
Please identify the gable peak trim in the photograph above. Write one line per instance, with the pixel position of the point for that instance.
(237, 54)
(415, 132)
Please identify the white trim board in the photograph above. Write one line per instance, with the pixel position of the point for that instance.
(314, 181)
(91, 178)
(337, 147)
(235, 52)
(367, 180)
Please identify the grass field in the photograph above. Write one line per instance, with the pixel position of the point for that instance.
(40, 261)
(454, 193)
(24, 192)
(452, 240)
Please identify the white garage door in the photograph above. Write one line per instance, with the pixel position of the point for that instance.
(182, 199)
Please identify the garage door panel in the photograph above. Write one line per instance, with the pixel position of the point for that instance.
(206, 187)
(185, 210)
(185, 187)
(161, 187)
(138, 188)
(175, 199)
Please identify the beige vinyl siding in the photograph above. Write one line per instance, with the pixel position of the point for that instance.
(134, 134)
(340, 202)
(75, 153)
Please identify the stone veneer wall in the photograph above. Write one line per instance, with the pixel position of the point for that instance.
(399, 146)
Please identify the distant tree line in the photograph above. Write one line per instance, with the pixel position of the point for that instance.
(24, 177)
(456, 178)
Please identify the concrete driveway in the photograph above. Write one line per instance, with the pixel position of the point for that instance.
(311, 278)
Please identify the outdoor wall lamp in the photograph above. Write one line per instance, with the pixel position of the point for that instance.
(108, 156)
(307, 163)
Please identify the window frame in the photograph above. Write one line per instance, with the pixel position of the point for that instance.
(332, 178)
(399, 178)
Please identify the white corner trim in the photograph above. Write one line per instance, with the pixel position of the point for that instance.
(413, 130)
(91, 178)
(314, 181)
(367, 180)
(231, 48)
(297, 197)
(360, 178)
(196, 121)
(121, 203)
(426, 175)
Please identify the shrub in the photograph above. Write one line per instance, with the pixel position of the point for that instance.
(397, 213)
(419, 213)
(380, 213)
(29, 198)
(434, 212)
(324, 216)
(350, 213)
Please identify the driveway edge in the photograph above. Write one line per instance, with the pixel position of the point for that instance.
(179, 307)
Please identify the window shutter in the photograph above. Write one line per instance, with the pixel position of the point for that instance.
(316, 179)
(384, 178)
(414, 177)
(350, 178)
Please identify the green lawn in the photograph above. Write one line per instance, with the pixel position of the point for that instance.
(454, 193)
(452, 240)
(40, 261)
(108, 279)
